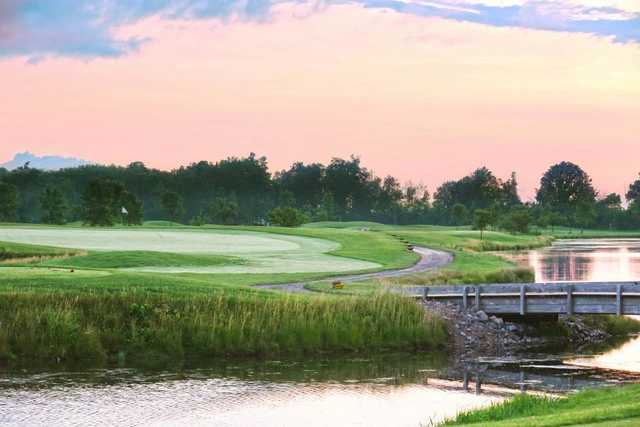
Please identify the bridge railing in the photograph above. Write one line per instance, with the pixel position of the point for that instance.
(542, 298)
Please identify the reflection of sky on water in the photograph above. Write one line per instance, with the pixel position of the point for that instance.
(623, 358)
(588, 260)
(227, 402)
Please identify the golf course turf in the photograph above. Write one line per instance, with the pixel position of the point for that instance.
(611, 406)
(78, 293)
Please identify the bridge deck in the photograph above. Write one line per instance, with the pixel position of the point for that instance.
(542, 298)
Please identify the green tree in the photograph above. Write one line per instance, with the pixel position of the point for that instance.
(633, 194)
(327, 209)
(304, 181)
(564, 188)
(8, 202)
(224, 210)
(199, 220)
(517, 221)
(460, 214)
(609, 211)
(287, 217)
(54, 206)
(482, 218)
(585, 215)
(173, 205)
(100, 202)
(133, 205)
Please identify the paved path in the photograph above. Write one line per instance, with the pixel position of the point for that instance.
(430, 259)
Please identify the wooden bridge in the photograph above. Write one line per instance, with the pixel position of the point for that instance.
(541, 298)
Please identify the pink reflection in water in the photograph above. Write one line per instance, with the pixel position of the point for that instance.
(587, 260)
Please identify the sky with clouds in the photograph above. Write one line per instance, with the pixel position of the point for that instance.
(425, 90)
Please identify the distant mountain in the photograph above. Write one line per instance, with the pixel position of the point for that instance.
(43, 162)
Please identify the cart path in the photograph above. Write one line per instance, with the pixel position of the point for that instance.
(430, 259)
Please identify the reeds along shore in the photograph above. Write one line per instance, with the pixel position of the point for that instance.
(142, 326)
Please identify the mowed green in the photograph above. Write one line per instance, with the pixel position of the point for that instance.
(474, 261)
(41, 267)
(90, 311)
(187, 250)
(617, 406)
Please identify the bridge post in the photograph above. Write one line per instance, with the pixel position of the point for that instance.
(619, 300)
(425, 293)
(465, 297)
(478, 290)
(569, 290)
(523, 302)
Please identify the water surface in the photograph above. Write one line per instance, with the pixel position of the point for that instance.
(587, 260)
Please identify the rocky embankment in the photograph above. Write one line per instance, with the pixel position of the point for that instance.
(477, 334)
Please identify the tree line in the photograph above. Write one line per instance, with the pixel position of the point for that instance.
(243, 191)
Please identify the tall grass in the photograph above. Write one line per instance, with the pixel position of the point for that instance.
(100, 327)
(444, 277)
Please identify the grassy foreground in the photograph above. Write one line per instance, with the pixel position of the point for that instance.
(617, 406)
(142, 326)
(72, 304)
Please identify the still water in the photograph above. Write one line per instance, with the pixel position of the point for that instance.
(589, 260)
(392, 390)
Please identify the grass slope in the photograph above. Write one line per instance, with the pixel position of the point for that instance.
(11, 252)
(99, 312)
(472, 263)
(131, 259)
(598, 407)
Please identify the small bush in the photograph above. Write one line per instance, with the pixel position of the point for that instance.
(287, 217)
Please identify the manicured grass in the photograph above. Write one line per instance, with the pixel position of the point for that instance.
(576, 233)
(55, 293)
(596, 407)
(139, 326)
(10, 252)
(463, 238)
(372, 246)
(347, 224)
(131, 259)
(275, 251)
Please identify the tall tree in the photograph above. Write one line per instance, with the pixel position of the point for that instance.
(224, 210)
(8, 202)
(482, 218)
(304, 181)
(133, 207)
(54, 206)
(633, 194)
(101, 202)
(347, 180)
(565, 188)
(173, 205)
(327, 209)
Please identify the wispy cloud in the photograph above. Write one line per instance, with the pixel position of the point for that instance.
(37, 29)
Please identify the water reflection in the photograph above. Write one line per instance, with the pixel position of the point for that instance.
(592, 260)
(398, 390)
(347, 392)
(625, 358)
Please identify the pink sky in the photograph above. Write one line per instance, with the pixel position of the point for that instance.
(422, 98)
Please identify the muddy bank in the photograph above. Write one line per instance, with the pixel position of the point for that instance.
(475, 334)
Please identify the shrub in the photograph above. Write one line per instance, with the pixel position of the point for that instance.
(287, 217)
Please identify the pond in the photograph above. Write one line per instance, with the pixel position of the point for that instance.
(588, 260)
(394, 389)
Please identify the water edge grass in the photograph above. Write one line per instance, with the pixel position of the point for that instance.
(598, 407)
(141, 325)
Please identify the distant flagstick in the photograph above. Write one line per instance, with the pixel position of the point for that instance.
(124, 213)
